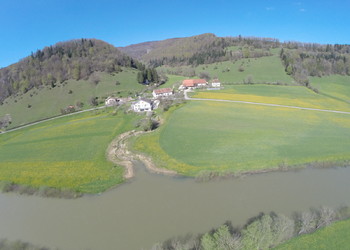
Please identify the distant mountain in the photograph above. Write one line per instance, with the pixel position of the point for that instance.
(76, 59)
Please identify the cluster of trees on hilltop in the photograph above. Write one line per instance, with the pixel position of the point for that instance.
(201, 49)
(76, 59)
(304, 60)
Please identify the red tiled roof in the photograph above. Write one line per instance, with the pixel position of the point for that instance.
(162, 91)
(193, 82)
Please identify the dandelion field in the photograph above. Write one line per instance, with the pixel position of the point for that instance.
(65, 153)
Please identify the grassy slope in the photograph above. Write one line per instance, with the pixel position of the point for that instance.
(334, 86)
(264, 69)
(238, 137)
(65, 153)
(275, 94)
(173, 80)
(335, 236)
(47, 102)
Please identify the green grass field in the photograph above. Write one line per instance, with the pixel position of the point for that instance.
(276, 94)
(335, 86)
(173, 80)
(241, 138)
(67, 152)
(48, 102)
(335, 236)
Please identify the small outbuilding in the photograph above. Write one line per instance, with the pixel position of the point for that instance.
(216, 83)
(111, 101)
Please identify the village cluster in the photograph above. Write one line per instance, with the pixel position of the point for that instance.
(146, 104)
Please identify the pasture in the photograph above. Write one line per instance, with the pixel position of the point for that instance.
(230, 137)
(46, 102)
(335, 236)
(267, 69)
(275, 94)
(259, 70)
(336, 87)
(65, 153)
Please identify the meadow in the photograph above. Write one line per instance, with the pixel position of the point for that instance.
(66, 153)
(267, 69)
(173, 80)
(38, 104)
(335, 236)
(336, 87)
(231, 137)
(276, 94)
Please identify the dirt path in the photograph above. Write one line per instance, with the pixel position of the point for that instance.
(118, 153)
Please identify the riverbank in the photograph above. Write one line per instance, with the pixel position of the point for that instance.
(311, 229)
(118, 153)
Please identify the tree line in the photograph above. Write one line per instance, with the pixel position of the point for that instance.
(302, 61)
(262, 232)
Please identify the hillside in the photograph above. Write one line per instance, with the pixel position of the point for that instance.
(79, 73)
(76, 59)
(205, 48)
(299, 60)
(44, 102)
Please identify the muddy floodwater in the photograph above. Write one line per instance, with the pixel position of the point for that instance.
(151, 208)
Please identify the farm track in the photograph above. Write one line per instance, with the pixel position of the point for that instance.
(266, 104)
(118, 153)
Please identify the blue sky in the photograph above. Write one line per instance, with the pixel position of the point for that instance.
(28, 25)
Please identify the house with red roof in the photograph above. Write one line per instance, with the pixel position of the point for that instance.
(194, 83)
(162, 92)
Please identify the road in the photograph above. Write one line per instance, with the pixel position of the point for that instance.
(50, 119)
(192, 99)
(265, 104)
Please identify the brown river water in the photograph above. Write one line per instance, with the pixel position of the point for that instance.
(152, 208)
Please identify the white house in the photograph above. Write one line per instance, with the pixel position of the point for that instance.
(216, 83)
(162, 92)
(142, 105)
(111, 101)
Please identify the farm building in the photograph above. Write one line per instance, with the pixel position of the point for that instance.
(162, 92)
(111, 101)
(215, 83)
(142, 105)
(194, 83)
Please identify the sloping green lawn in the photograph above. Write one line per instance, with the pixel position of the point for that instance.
(37, 104)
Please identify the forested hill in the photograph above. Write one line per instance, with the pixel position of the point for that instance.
(76, 59)
(205, 48)
(300, 60)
